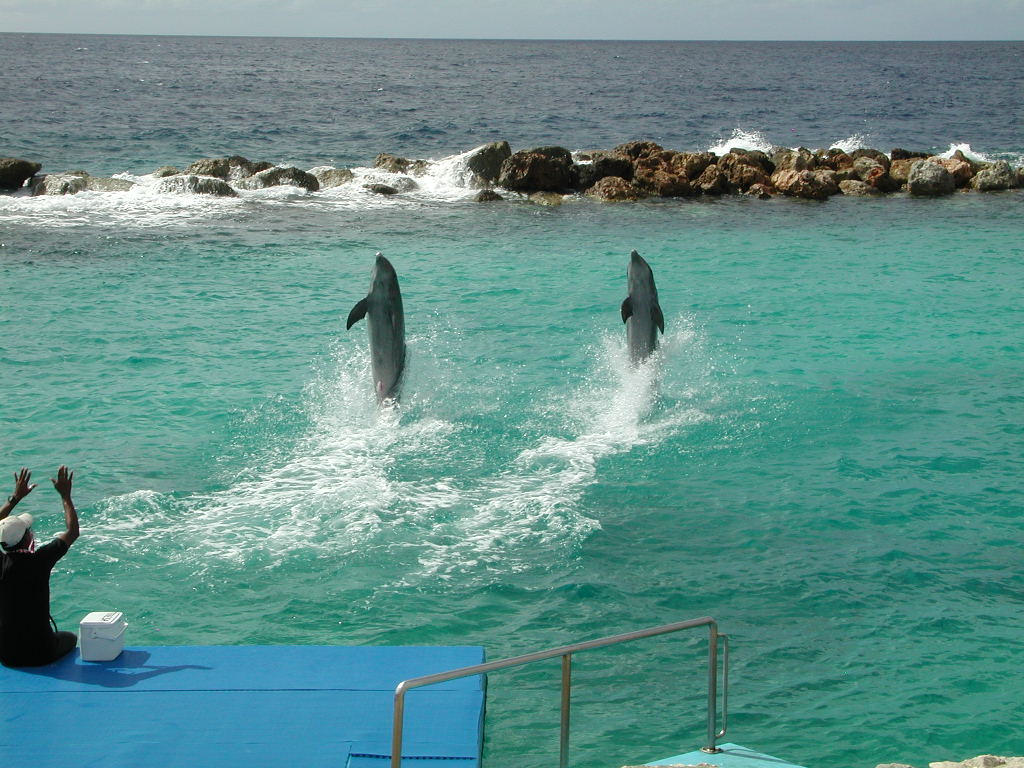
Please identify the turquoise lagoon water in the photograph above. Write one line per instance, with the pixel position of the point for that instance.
(825, 456)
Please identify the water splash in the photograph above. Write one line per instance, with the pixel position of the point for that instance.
(741, 139)
(851, 143)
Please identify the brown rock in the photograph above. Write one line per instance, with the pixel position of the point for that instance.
(899, 171)
(712, 181)
(761, 191)
(874, 154)
(928, 178)
(959, 168)
(742, 170)
(332, 177)
(692, 164)
(873, 173)
(903, 154)
(234, 167)
(486, 161)
(601, 165)
(391, 163)
(794, 160)
(637, 149)
(858, 189)
(14, 172)
(487, 196)
(614, 189)
(811, 185)
(835, 159)
(545, 169)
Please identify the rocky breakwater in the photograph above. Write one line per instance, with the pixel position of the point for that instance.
(981, 761)
(642, 169)
(545, 175)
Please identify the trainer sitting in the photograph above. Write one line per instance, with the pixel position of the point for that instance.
(26, 637)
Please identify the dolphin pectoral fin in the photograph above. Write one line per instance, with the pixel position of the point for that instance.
(627, 309)
(358, 313)
(659, 318)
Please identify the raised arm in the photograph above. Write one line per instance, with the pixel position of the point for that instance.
(63, 485)
(21, 490)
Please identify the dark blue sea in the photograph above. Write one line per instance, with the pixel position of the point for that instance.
(825, 454)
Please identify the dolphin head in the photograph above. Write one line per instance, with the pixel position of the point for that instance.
(638, 274)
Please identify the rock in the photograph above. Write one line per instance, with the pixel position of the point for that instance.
(835, 158)
(107, 184)
(196, 185)
(794, 160)
(602, 165)
(637, 149)
(544, 169)
(928, 178)
(874, 154)
(487, 196)
(381, 189)
(742, 170)
(858, 189)
(712, 181)
(1020, 177)
(982, 761)
(67, 183)
(332, 177)
(14, 172)
(899, 170)
(550, 199)
(234, 167)
(692, 164)
(959, 168)
(903, 154)
(486, 161)
(873, 173)
(614, 189)
(166, 170)
(760, 191)
(391, 163)
(811, 185)
(996, 176)
(280, 176)
(655, 174)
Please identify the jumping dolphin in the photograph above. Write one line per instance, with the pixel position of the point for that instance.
(385, 319)
(640, 311)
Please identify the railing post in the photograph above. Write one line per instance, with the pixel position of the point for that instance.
(396, 732)
(712, 688)
(563, 745)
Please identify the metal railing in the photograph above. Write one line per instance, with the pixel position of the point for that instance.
(566, 653)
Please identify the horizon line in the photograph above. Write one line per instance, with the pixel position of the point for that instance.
(523, 39)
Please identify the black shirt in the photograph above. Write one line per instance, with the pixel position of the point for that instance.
(26, 636)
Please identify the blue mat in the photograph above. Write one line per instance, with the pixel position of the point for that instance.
(731, 756)
(245, 706)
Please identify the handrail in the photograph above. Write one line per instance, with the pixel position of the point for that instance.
(566, 652)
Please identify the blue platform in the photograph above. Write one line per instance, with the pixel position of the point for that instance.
(731, 756)
(242, 706)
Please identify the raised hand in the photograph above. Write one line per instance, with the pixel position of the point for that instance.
(21, 484)
(63, 482)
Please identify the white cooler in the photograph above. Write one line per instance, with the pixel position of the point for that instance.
(101, 635)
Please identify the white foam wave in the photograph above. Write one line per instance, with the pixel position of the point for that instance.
(741, 139)
(851, 143)
(969, 153)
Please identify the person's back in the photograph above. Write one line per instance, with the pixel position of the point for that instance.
(26, 635)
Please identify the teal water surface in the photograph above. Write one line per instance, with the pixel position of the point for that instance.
(826, 454)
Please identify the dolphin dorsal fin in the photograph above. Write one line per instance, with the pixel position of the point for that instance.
(358, 313)
(659, 318)
(627, 308)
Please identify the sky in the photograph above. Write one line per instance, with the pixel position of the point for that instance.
(531, 19)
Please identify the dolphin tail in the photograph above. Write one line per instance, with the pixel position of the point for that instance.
(659, 318)
(627, 308)
(358, 313)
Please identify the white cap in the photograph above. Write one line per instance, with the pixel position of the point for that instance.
(12, 529)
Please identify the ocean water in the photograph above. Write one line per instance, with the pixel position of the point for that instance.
(825, 455)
